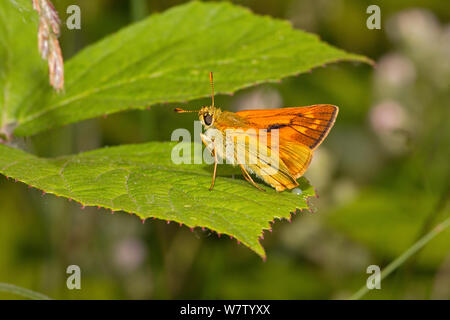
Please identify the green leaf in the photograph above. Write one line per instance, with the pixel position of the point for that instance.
(142, 179)
(167, 57)
(21, 66)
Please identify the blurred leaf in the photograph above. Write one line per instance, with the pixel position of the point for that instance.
(417, 246)
(167, 57)
(142, 179)
(21, 66)
(271, 281)
(23, 292)
(377, 218)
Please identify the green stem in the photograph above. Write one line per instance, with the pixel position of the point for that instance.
(408, 253)
(10, 288)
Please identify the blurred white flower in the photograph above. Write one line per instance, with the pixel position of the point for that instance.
(129, 254)
(391, 123)
(422, 38)
(395, 71)
(387, 116)
(415, 27)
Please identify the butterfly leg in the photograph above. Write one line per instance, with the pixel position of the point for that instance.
(215, 167)
(245, 176)
(213, 153)
(206, 145)
(249, 178)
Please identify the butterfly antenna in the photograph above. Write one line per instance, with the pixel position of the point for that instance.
(212, 87)
(179, 110)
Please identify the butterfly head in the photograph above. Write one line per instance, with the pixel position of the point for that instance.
(208, 115)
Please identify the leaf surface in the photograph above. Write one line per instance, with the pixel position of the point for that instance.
(142, 179)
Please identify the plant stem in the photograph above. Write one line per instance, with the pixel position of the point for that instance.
(10, 288)
(403, 257)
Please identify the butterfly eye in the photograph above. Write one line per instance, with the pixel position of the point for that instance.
(207, 118)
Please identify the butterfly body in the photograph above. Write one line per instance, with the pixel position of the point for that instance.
(274, 144)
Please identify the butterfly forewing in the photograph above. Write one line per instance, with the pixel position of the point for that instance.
(306, 125)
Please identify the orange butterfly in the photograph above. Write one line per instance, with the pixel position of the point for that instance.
(299, 131)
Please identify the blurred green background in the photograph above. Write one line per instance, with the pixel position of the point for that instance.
(383, 174)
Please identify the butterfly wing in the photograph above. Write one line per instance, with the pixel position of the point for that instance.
(294, 159)
(268, 164)
(301, 130)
